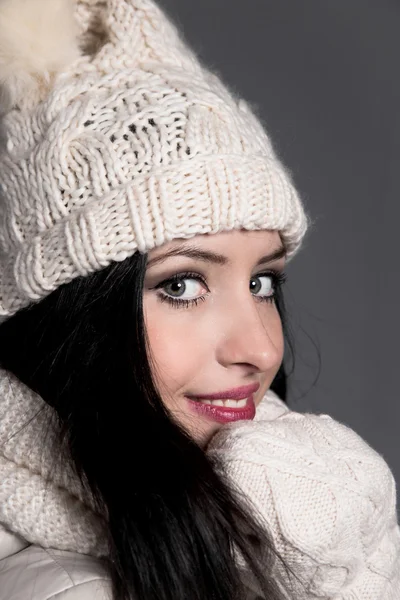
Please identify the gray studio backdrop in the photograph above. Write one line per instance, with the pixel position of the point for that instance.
(325, 76)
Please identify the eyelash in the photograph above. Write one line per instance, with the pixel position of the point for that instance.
(278, 279)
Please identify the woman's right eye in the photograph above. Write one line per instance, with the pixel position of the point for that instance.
(175, 287)
(185, 285)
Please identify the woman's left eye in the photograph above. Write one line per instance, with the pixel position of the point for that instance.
(176, 287)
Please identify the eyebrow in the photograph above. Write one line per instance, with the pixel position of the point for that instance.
(212, 257)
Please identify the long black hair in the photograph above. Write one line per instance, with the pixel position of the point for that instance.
(172, 517)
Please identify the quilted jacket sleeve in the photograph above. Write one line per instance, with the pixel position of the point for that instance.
(90, 590)
(326, 496)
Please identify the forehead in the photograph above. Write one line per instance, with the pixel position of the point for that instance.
(230, 243)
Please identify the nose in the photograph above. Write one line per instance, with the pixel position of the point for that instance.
(250, 335)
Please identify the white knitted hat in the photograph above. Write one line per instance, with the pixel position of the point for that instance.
(115, 139)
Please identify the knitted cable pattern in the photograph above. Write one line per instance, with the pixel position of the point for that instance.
(134, 144)
(327, 498)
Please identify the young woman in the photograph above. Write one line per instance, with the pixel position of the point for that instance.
(146, 452)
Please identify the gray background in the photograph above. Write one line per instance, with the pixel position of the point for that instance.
(325, 76)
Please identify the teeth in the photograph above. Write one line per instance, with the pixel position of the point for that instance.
(227, 403)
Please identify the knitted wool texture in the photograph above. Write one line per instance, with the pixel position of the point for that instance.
(328, 498)
(132, 144)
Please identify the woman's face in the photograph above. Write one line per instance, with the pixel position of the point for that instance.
(212, 323)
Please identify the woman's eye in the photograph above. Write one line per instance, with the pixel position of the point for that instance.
(263, 284)
(268, 284)
(182, 290)
(185, 288)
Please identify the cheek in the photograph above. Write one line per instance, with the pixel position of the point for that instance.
(273, 327)
(278, 342)
(277, 337)
(178, 345)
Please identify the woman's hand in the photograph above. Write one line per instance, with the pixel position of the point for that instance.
(325, 495)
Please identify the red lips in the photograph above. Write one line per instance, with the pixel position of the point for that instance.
(234, 393)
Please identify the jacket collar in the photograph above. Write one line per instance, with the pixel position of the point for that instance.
(10, 543)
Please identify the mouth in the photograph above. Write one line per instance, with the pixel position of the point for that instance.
(240, 393)
(229, 403)
(224, 411)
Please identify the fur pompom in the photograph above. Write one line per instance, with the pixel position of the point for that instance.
(38, 38)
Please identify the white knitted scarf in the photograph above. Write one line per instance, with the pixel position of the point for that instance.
(40, 501)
